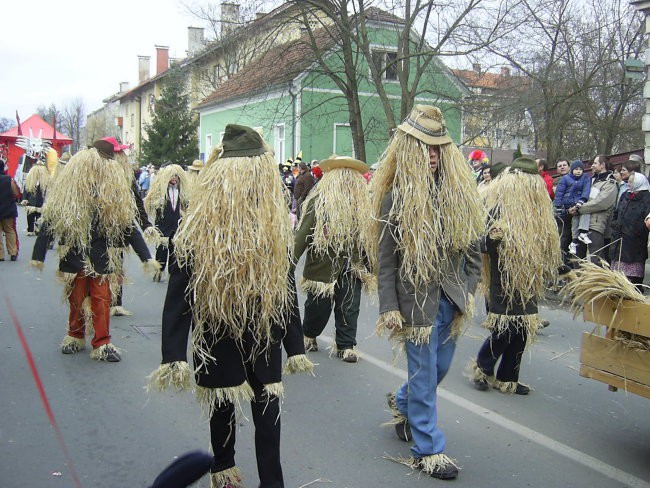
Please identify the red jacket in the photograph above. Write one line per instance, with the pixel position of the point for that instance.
(548, 179)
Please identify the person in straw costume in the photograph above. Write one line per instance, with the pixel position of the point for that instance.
(166, 201)
(91, 211)
(34, 192)
(117, 279)
(336, 232)
(234, 288)
(429, 220)
(519, 264)
(193, 171)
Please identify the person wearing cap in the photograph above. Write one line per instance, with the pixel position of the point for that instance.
(335, 232)
(193, 171)
(519, 264)
(429, 217)
(237, 293)
(9, 192)
(166, 201)
(93, 232)
(304, 184)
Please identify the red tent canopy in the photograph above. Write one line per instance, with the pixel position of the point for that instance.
(37, 126)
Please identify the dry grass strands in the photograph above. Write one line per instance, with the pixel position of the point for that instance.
(237, 240)
(79, 344)
(529, 252)
(474, 373)
(462, 320)
(299, 363)
(343, 215)
(37, 177)
(91, 193)
(230, 477)
(210, 398)
(389, 321)
(177, 375)
(433, 218)
(427, 464)
(158, 196)
(500, 323)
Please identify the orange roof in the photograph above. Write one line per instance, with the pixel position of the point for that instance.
(36, 124)
(484, 79)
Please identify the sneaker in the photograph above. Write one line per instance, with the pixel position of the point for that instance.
(311, 345)
(480, 384)
(573, 248)
(584, 237)
(438, 466)
(348, 355)
(107, 353)
(403, 430)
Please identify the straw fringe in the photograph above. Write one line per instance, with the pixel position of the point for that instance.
(389, 321)
(87, 311)
(36, 264)
(500, 323)
(274, 390)
(509, 387)
(317, 288)
(299, 363)
(238, 242)
(101, 353)
(158, 196)
(31, 210)
(210, 398)
(228, 477)
(176, 375)
(417, 335)
(462, 320)
(79, 343)
(37, 177)
(474, 373)
(435, 215)
(368, 279)
(427, 464)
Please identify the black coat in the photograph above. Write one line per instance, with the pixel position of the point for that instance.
(167, 218)
(73, 261)
(7, 198)
(35, 198)
(629, 233)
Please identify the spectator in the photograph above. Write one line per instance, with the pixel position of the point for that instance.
(304, 184)
(144, 181)
(9, 192)
(563, 219)
(629, 249)
(542, 167)
(573, 190)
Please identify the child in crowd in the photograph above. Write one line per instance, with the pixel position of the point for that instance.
(573, 191)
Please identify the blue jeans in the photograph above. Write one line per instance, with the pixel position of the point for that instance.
(427, 366)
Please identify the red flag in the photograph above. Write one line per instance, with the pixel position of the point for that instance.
(20, 130)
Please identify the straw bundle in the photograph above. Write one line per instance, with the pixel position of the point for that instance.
(237, 240)
(158, 196)
(435, 214)
(37, 177)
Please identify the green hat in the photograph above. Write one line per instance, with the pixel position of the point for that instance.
(497, 168)
(525, 165)
(241, 141)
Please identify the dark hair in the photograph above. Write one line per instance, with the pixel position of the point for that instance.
(542, 162)
(632, 165)
(562, 159)
(603, 159)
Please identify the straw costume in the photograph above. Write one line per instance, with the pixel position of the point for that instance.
(523, 254)
(167, 201)
(91, 211)
(429, 220)
(336, 232)
(233, 288)
(34, 192)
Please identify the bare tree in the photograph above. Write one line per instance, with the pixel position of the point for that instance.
(6, 124)
(73, 119)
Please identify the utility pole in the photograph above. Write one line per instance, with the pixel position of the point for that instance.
(643, 6)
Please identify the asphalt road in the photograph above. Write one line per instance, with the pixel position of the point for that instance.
(569, 432)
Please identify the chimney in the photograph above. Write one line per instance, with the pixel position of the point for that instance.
(229, 17)
(476, 67)
(144, 67)
(195, 40)
(124, 86)
(162, 59)
(505, 71)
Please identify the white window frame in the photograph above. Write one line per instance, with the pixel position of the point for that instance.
(384, 50)
(280, 143)
(208, 145)
(340, 124)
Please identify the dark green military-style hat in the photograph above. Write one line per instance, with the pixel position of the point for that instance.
(241, 141)
(525, 165)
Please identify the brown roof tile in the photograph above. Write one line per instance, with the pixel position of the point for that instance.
(484, 79)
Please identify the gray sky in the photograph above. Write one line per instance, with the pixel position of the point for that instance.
(56, 51)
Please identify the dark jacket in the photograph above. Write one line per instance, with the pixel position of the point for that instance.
(304, 184)
(570, 190)
(8, 193)
(35, 198)
(141, 215)
(167, 218)
(73, 261)
(629, 233)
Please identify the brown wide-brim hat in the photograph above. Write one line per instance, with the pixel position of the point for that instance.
(334, 162)
(197, 165)
(104, 148)
(427, 124)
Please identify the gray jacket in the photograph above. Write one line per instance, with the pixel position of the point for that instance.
(601, 206)
(419, 308)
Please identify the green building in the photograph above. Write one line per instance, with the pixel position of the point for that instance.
(287, 96)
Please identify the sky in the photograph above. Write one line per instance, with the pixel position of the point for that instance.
(58, 51)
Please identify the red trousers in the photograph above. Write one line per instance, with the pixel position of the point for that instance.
(100, 304)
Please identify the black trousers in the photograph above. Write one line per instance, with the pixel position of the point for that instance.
(162, 253)
(346, 303)
(177, 315)
(597, 250)
(31, 220)
(508, 345)
(564, 229)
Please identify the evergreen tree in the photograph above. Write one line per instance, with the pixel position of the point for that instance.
(173, 132)
(517, 153)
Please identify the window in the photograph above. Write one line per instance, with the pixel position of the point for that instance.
(132, 120)
(385, 61)
(278, 143)
(208, 144)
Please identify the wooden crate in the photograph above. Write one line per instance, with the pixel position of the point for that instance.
(607, 360)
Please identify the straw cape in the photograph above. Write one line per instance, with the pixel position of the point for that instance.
(36, 185)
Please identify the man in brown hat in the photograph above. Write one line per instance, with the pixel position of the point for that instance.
(336, 233)
(430, 218)
(304, 183)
